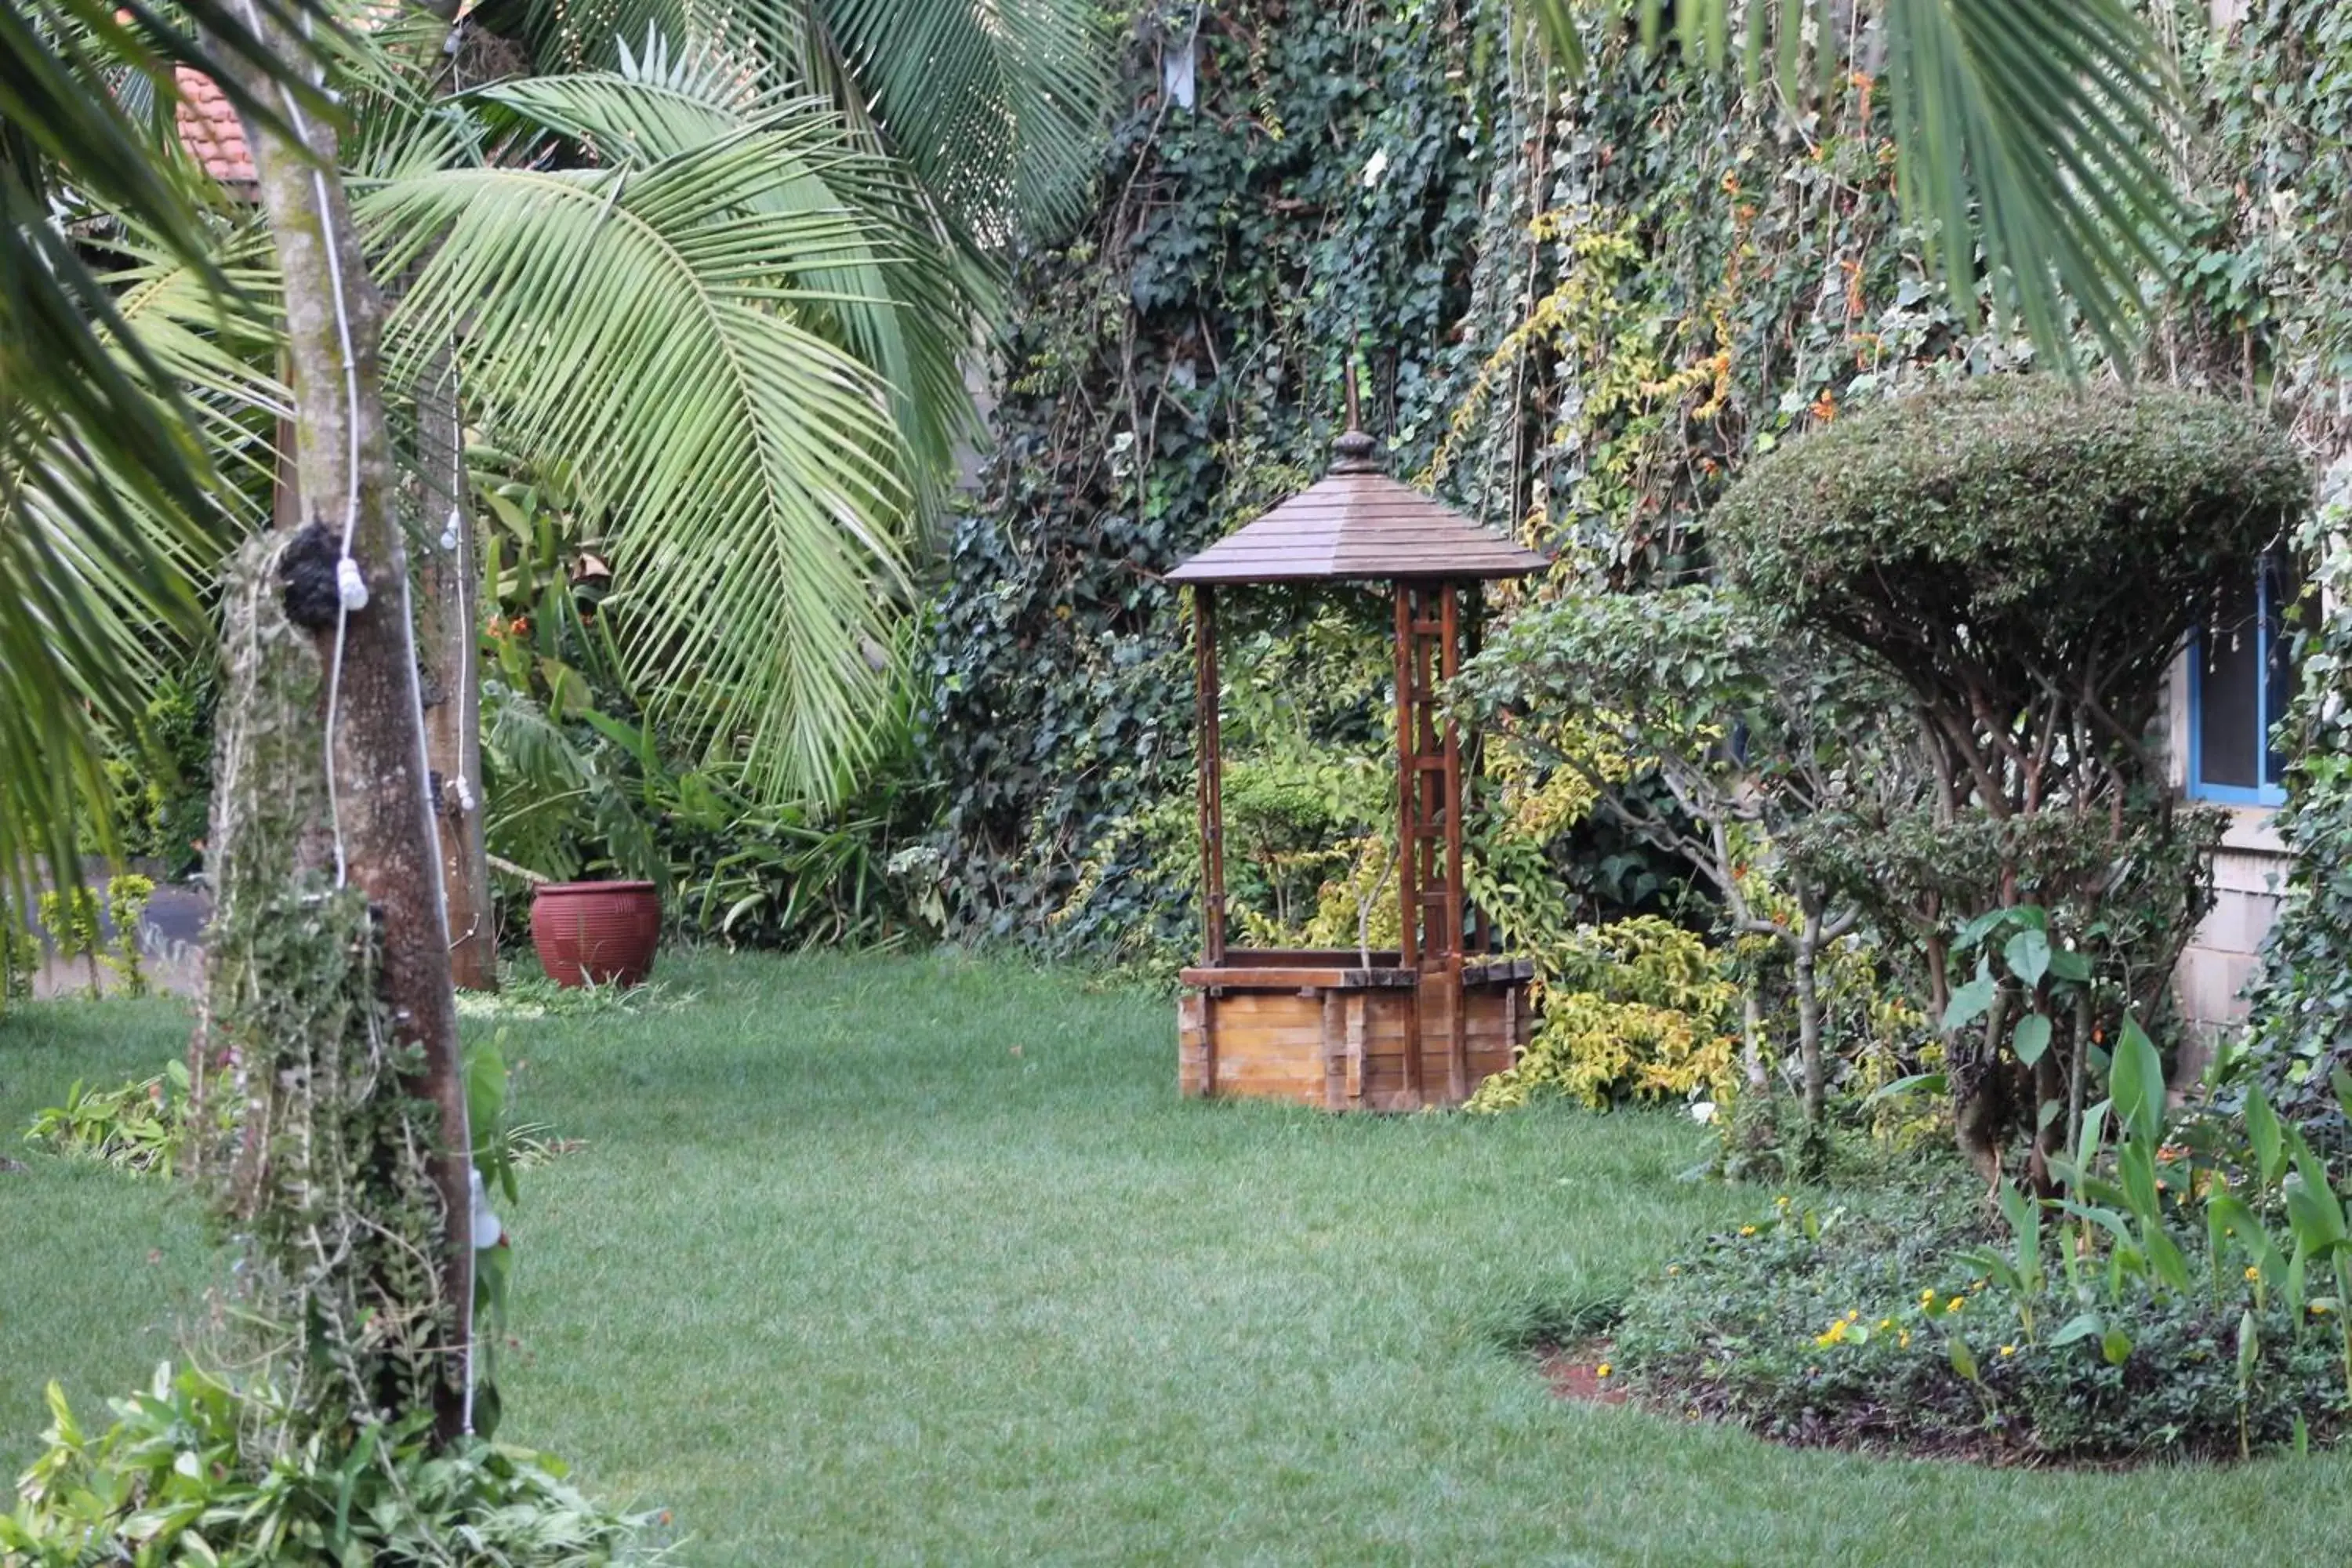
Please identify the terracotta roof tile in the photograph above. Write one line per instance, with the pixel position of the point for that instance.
(210, 131)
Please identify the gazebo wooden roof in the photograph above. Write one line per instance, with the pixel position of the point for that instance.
(1357, 523)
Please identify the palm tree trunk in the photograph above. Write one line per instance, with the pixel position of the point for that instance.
(448, 633)
(382, 828)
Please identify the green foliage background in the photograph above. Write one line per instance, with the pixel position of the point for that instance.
(1580, 307)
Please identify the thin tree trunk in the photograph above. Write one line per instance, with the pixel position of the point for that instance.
(2078, 1070)
(1751, 1043)
(1813, 1142)
(383, 826)
(1977, 1099)
(2050, 1091)
(449, 637)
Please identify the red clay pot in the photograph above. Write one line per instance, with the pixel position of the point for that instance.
(603, 933)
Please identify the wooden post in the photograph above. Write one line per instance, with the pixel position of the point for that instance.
(1211, 781)
(1457, 1049)
(1210, 784)
(1410, 828)
(1408, 790)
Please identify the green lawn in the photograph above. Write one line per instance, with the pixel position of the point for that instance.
(923, 1260)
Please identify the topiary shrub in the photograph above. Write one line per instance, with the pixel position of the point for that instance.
(2025, 556)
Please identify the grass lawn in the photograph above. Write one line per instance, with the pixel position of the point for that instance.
(919, 1259)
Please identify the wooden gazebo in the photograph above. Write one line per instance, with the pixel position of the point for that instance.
(1427, 1022)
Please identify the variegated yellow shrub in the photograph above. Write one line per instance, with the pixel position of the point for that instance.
(1638, 1009)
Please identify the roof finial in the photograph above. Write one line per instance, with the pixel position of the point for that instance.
(1353, 452)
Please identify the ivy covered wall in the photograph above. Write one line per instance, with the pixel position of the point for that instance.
(1581, 307)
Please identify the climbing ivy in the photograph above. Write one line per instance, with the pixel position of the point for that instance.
(1582, 305)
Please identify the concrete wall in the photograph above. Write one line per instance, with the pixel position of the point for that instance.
(2248, 870)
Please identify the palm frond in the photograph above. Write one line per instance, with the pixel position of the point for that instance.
(649, 325)
(102, 488)
(896, 306)
(2029, 135)
(998, 105)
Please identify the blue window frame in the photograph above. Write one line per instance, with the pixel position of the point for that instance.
(2241, 678)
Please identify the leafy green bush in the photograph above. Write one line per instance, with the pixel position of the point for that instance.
(174, 1481)
(2301, 1032)
(139, 1127)
(72, 918)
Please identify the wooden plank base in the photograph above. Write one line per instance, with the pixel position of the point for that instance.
(1341, 1047)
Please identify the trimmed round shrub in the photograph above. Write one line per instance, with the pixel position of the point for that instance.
(1983, 536)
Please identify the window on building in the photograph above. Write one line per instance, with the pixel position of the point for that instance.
(2239, 681)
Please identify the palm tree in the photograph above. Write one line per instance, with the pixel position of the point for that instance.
(2030, 133)
(739, 327)
(882, 150)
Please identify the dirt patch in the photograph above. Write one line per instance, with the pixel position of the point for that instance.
(1583, 1372)
(1577, 1372)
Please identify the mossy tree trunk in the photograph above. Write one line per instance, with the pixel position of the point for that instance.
(382, 829)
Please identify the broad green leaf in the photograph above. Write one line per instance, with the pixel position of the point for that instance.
(2262, 1131)
(2068, 964)
(2031, 1039)
(2137, 1083)
(2079, 1327)
(1918, 1082)
(1969, 1002)
(2116, 1346)
(2135, 1169)
(2027, 955)
(2164, 1256)
(1964, 1360)
(1977, 930)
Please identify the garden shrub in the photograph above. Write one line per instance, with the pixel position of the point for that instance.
(77, 926)
(1717, 734)
(1835, 1325)
(1636, 1010)
(1965, 539)
(2189, 1294)
(177, 1479)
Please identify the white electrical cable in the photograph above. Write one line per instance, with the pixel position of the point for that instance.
(351, 584)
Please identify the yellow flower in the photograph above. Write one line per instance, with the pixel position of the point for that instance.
(1833, 1335)
(1903, 1340)
(1955, 1303)
(1885, 1323)
(1603, 1370)
(1927, 1295)
(1674, 1269)
(1747, 1230)
(2008, 1350)
(1782, 1202)
(1850, 1314)
(2252, 1272)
